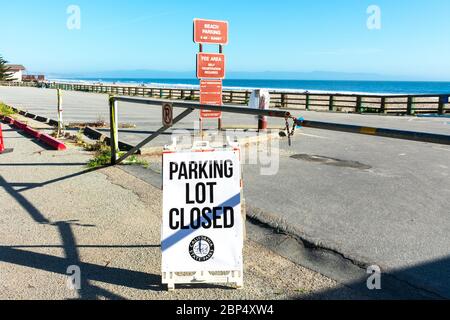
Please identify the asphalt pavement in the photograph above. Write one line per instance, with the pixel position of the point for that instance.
(57, 215)
(371, 200)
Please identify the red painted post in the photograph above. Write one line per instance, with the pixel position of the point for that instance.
(2, 146)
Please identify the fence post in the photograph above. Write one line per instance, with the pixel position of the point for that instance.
(442, 102)
(283, 100)
(114, 130)
(383, 105)
(358, 104)
(307, 102)
(331, 105)
(410, 106)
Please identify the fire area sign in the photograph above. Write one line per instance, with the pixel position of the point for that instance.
(202, 227)
(210, 31)
(211, 94)
(210, 66)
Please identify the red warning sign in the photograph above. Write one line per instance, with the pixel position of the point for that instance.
(211, 94)
(210, 66)
(210, 31)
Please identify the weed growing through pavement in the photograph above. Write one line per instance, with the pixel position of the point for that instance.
(102, 151)
(103, 158)
(5, 110)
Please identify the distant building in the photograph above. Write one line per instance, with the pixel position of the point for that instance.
(16, 71)
(33, 78)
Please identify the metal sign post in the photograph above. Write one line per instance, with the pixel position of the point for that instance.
(210, 65)
(60, 114)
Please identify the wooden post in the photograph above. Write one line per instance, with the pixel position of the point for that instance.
(442, 101)
(283, 100)
(307, 102)
(358, 104)
(331, 104)
(410, 106)
(383, 105)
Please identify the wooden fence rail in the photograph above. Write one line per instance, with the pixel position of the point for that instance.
(336, 102)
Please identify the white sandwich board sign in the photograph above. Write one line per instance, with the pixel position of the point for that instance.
(202, 230)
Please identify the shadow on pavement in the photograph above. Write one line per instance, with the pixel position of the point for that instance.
(41, 164)
(29, 186)
(35, 141)
(426, 281)
(429, 280)
(89, 272)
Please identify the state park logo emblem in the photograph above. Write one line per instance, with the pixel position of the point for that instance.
(201, 249)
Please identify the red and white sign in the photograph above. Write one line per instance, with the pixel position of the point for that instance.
(210, 66)
(210, 31)
(211, 94)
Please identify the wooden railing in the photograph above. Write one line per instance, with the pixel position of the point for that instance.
(336, 102)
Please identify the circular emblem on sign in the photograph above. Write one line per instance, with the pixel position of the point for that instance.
(201, 249)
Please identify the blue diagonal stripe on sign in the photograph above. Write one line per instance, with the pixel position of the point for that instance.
(181, 234)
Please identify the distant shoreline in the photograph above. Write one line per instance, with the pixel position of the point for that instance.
(311, 86)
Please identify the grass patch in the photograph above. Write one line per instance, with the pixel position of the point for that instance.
(103, 158)
(6, 110)
(102, 151)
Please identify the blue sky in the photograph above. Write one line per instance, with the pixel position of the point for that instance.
(265, 35)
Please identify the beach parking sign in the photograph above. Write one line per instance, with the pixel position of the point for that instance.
(210, 31)
(202, 228)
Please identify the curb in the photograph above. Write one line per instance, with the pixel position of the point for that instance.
(32, 132)
(43, 137)
(97, 135)
(380, 132)
(52, 142)
(272, 232)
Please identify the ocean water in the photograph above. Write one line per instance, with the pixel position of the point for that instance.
(385, 87)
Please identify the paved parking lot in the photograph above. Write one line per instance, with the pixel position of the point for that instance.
(373, 200)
